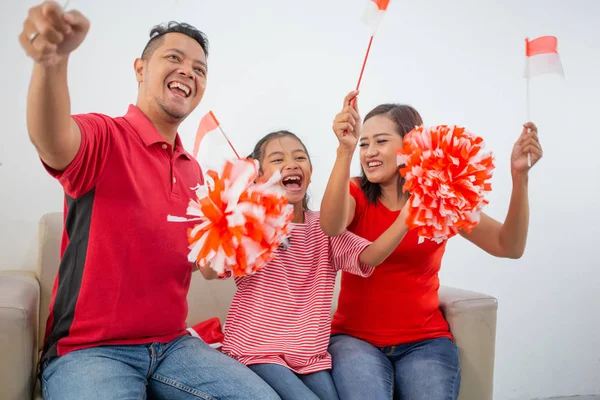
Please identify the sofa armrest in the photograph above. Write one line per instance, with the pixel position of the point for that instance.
(19, 307)
(472, 320)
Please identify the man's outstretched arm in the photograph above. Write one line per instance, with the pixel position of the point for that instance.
(48, 37)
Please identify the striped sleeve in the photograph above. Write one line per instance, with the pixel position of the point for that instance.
(344, 252)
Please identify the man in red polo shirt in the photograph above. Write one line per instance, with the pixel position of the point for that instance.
(116, 327)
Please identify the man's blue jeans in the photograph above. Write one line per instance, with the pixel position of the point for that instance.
(425, 370)
(187, 368)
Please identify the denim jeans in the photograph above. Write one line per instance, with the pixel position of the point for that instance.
(292, 386)
(426, 370)
(186, 368)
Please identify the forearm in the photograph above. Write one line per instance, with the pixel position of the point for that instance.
(207, 272)
(385, 244)
(513, 234)
(49, 115)
(335, 202)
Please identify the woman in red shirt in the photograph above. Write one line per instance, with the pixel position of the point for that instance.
(389, 337)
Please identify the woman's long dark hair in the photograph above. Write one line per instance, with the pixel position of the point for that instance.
(405, 118)
(259, 152)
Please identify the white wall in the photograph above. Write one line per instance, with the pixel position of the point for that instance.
(278, 65)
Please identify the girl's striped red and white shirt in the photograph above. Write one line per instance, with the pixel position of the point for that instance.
(282, 314)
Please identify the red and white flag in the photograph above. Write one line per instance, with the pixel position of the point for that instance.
(211, 146)
(541, 57)
(374, 13)
(208, 123)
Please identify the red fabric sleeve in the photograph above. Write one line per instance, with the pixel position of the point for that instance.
(86, 168)
(359, 198)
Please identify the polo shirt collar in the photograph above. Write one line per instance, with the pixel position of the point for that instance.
(148, 133)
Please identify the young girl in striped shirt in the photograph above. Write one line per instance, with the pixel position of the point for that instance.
(279, 321)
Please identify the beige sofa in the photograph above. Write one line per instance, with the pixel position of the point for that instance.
(25, 297)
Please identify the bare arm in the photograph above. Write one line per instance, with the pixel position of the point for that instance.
(338, 206)
(385, 244)
(48, 37)
(207, 272)
(509, 239)
(505, 240)
(51, 130)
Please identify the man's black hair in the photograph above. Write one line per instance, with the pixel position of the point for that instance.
(159, 31)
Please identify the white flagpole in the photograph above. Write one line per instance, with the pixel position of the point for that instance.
(527, 77)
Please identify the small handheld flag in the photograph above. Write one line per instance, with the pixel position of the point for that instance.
(209, 123)
(541, 57)
(374, 13)
(372, 17)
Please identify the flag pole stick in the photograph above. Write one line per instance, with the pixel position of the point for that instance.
(364, 63)
(205, 130)
(527, 97)
(527, 90)
(362, 70)
(225, 136)
(229, 142)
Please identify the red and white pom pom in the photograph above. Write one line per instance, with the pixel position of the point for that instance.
(243, 222)
(447, 174)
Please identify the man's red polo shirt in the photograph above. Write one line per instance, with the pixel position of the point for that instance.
(124, 274)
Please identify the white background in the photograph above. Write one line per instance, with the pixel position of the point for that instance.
(281, 64)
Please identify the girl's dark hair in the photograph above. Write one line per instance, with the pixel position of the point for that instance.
(259, 152)
(405, 118)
